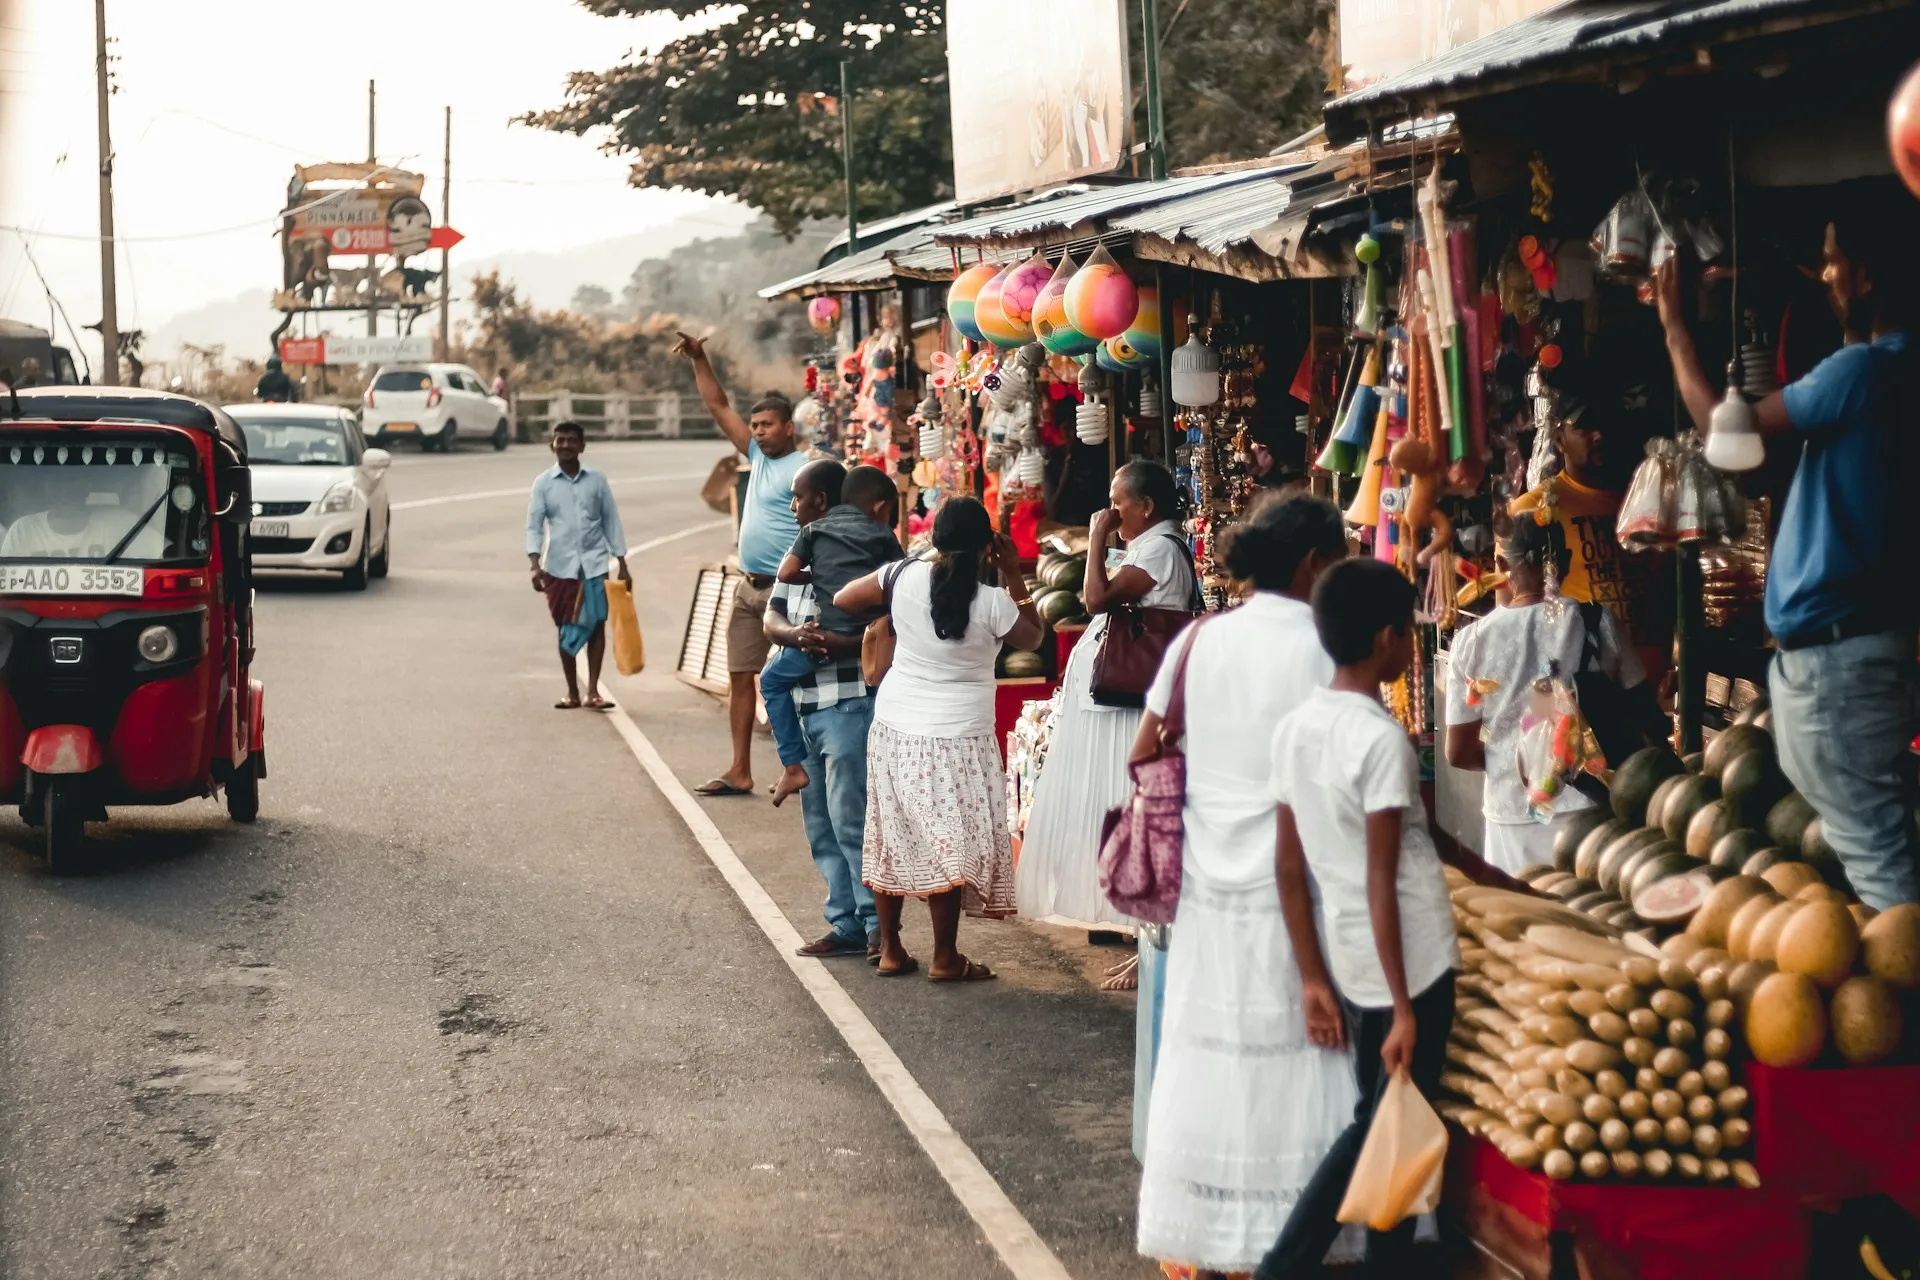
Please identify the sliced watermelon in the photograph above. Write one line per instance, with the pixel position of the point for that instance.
(1674, 899)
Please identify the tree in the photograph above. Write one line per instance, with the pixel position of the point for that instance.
(593, 300)
(749, 107)
(1239, 77)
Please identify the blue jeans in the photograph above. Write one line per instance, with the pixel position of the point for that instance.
(785, 669)
(1843, 715)
(835, 808)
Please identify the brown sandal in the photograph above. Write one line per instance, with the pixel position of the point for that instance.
(970, 971)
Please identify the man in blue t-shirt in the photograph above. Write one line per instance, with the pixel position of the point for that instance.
(767, 529)
(1841, 590)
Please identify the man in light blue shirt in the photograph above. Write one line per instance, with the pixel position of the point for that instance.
(571, 513)
(767, 529)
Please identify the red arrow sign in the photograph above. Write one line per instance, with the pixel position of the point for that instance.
(444, 238)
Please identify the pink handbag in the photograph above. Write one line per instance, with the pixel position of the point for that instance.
(1141, 841)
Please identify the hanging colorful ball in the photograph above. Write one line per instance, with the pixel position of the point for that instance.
(1022, 291)
(1143, 335)
(991, 317)
(1050, 323)
(823, 313)
(1903, 129)
(1117, 355)
(963, 295)
(1101, 299)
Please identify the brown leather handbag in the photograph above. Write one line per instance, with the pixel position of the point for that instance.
(1132, 647)
(877, 643)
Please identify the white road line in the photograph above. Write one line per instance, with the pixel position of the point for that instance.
(687, 532)
(521, 492)
(1025, 1254)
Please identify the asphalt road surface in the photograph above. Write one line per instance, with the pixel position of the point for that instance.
(471, 999)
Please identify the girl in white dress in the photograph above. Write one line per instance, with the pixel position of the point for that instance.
(1244, 1105)
(1058, 877)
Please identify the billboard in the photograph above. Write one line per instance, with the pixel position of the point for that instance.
(1380, 38)
(356, 209)
(346, 349)
(1039, 92)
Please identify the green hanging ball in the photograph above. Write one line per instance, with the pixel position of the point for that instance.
(1367, 250)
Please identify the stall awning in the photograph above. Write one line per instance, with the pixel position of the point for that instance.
(871, 268)
(1595, 40)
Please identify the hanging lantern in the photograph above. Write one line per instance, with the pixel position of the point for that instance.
(992, 320)
(1143, 335)
(1101, 299)
(823, 313)
(963, 295)
(1022, 291)
(1050, 323)
(1903, 129)
(1196, 372)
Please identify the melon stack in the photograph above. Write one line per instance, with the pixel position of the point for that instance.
(1056, 584)
(1583, 1053)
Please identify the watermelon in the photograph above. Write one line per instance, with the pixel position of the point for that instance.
(1058, 606)
(1672, 900)
(1715, 819)
(1758, 863)
(1574, 829)
(1586, 859)
(1639, 860)
(1657, 807)
(1614, 860)
(1693, 761)
(1664, 862)
(1734, 848)
(1572, 888)
(1586, 902)
(1753, 782)
(1637, 777)
(1732, 742)
(1693, 794)
(1016, 663)
(1068, 575)
(1814, 846)
(1787, 821)
(1760, 706)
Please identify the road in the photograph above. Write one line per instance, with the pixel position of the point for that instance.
(472, 998)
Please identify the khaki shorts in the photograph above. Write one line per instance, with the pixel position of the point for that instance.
(747, 643)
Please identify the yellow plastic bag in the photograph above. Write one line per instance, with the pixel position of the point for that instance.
(1398, 1173)
(623, 627)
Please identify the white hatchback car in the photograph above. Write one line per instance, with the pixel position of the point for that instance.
(319, 493)
(433, 403)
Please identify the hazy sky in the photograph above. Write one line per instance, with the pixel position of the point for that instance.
(218, 99)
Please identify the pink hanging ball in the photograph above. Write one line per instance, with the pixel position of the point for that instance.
(1101, 300)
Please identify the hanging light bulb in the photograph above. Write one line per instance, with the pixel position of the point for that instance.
(1733, 433)
(1196, 372)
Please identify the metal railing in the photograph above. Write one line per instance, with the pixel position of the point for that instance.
(615, 415)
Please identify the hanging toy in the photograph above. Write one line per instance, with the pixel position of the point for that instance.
(1367, 252)
(1101, 301)
(1540, 188)
(1050, 323)
(823, 313)
(944, 366)
(963, 297)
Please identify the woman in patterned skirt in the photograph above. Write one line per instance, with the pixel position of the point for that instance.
(936, 798)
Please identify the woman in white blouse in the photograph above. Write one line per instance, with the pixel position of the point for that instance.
(1244, 1105)
(1086, 769)
(936, 796)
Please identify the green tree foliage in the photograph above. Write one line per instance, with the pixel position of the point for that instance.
(750, 107)
(1238, 77)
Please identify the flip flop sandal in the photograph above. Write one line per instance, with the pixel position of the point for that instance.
(720, 787)
(907, 966)
(973, 972)
(566, 706)
(597, 704)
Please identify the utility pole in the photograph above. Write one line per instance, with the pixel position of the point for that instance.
(446, 220)
(1156, 128)
(846, 156)
(373, 259)
(109, 300)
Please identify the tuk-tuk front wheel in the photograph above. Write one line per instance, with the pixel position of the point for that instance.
(63, 823)
(243, 791)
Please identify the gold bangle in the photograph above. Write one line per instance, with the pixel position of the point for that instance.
(1023, 602)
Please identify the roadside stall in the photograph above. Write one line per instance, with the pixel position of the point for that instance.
(1698, 1045)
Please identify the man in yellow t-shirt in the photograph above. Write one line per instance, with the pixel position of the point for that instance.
(1637, 586)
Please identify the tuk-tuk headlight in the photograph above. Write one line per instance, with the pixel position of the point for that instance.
(159, 644)
(339, 498)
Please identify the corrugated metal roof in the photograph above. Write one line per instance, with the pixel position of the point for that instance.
(908, 218)
(1068, 211)
(864, 270)
(1221, 217)
(1578, 30)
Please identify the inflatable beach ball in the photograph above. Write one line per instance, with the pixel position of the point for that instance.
(989, 314)
(1143, 335)
(1101, 298)
(1022, 291)
(823, 313)
(964, 293)
(1903, 129)
(1050, 323)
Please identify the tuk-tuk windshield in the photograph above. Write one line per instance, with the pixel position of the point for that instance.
(83, 502)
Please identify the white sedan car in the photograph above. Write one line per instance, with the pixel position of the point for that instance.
(319, 493)
(434, 404)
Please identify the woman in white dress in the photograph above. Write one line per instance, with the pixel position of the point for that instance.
(1058, 877)
(1244, 1105)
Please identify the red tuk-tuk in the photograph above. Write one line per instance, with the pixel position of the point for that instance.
(126, 609)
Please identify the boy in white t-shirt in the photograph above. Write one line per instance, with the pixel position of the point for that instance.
(1348, 788)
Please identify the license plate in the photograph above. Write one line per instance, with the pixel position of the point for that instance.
(271, 529)
(71, 580)
(394, 428)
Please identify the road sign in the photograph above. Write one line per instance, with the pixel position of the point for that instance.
(444, 238)
(336, 349)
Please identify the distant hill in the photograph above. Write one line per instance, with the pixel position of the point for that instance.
(241, 324)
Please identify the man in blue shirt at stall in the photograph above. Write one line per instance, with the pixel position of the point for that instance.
(1841, 589)
(767, 529)
(572, 515)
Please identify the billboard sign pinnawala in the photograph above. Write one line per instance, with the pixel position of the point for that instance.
(1039, 91)
(1380, 38)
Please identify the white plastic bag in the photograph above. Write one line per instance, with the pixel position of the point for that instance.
(1398, 1173)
